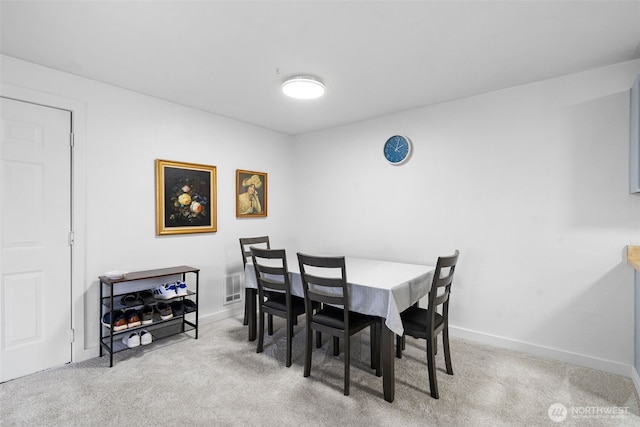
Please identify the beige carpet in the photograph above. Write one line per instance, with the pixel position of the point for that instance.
(219, 380)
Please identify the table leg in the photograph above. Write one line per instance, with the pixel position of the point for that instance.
(387, 348)
(250, 301)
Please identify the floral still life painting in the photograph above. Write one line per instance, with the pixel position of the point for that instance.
(185, 198)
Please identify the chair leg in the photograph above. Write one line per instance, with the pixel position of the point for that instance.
(289, 339)
(377, 348)
(347, 364)
(307, 350)
(373, 344)
(336, 346)
(270, 322)
(399, 346)
(447, 352)
(431, 364)
(318, 333)
(247, 295)
(260, 332)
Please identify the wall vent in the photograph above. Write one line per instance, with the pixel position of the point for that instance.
(233, 289)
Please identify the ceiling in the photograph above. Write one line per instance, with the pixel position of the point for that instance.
(375, 57)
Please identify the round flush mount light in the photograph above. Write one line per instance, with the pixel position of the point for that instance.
(303, 87)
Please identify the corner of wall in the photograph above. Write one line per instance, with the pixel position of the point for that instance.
(636, 379)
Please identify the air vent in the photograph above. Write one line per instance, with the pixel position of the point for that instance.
(233, 289)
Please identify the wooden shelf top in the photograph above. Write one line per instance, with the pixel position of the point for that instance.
(149, 274)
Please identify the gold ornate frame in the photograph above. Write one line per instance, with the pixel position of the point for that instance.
(185, 198)
(251, 194)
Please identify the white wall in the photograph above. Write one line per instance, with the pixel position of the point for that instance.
(124, 132)
(529, 183)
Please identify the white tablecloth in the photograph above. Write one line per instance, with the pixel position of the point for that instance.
(379, 288)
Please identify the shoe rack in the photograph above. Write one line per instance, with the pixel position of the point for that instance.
(113, 289)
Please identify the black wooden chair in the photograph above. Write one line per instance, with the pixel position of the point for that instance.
(274, 292)
(427, 323)
(245, 248)
(333, 316)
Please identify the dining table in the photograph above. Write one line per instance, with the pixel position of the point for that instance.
(377, 287)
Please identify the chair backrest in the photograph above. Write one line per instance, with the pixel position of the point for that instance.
(247, 242)
(441, 285)
(272, 272)
(324, 280)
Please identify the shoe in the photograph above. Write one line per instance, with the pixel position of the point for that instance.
(147, 314)
(164, 310)
(189, 305)
(131, 339)
(166, 291)
(146, 297)
(133, 318)
(177, 307)
(145, 337)
(181, 289)
(119, 321)
(171, 287)
(131, 300)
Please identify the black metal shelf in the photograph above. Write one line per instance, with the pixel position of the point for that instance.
(158, 331)
(111, 341)
(117, 304)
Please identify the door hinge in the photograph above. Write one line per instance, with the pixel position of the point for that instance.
(72, 335)
(71, 238)
(72, 140)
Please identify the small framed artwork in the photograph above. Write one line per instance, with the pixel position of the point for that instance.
(251, 194)
(185, 198)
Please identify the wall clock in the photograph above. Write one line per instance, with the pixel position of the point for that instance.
(397, 149)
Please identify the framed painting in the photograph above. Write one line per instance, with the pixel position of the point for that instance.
(185, 198)
(251, 194)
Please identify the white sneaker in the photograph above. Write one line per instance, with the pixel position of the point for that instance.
(166, 291)
(181, 289)
(145, 337)
(131, 339)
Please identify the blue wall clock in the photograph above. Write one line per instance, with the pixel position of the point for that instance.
(397, 149)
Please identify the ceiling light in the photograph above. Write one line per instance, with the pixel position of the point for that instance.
(303, 87)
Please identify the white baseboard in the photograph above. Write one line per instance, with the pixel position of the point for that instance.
(546, 352)
(86, 354)
(221, 315)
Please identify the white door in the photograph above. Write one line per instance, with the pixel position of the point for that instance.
(35, 225)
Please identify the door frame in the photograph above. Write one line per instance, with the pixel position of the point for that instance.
(79, 350)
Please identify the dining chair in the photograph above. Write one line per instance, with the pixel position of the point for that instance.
(427, 323)
(274, 292)
(245, 248)
(324, 281)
